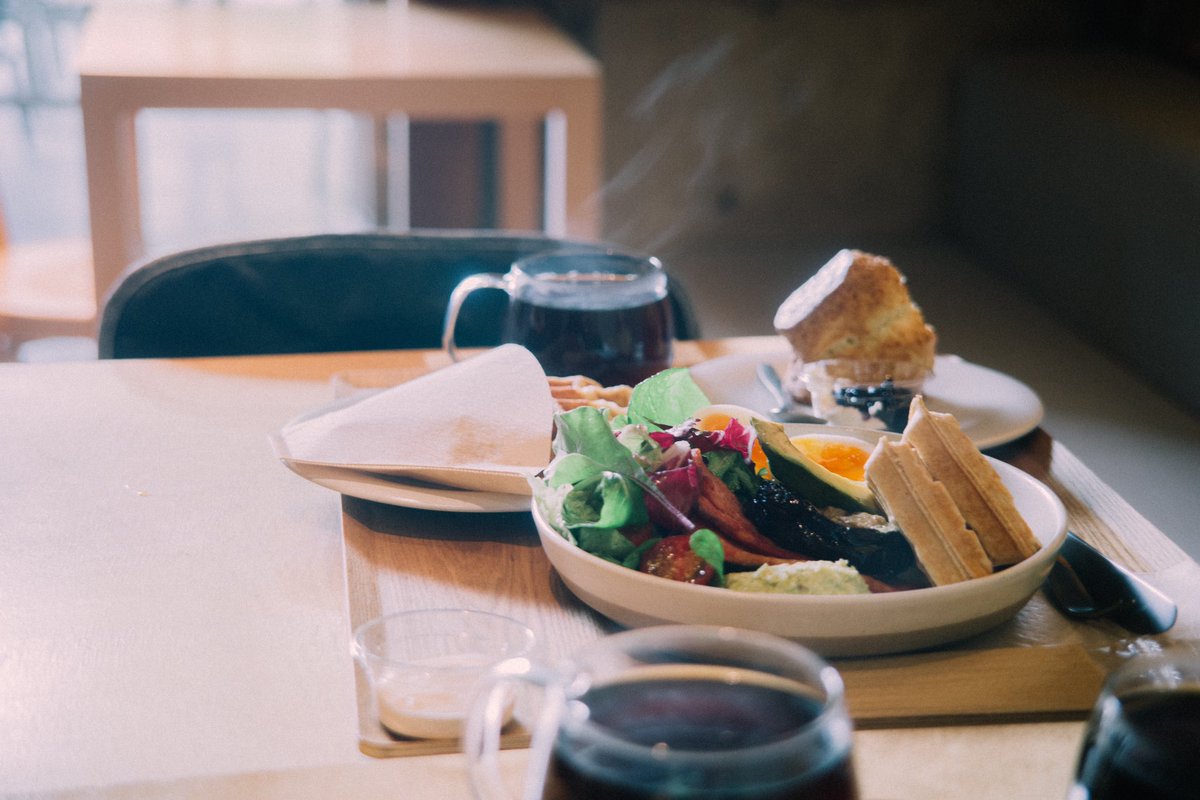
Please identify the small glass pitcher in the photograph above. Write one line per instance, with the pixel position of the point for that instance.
(604, 314)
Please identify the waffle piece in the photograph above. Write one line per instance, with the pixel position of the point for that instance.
(574, 391)
(946, 551)
(985, 502)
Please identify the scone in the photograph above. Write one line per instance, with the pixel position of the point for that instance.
(857, 307)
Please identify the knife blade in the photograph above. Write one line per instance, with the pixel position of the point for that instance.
(1085, 584)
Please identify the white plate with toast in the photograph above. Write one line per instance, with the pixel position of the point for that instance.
(833, 625)
(992, 408)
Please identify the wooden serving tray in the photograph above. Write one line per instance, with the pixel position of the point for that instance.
(1037, 667)
(400, 559)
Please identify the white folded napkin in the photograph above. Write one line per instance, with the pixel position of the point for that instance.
(482, 424)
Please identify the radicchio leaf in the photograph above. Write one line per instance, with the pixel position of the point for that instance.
(681, 488)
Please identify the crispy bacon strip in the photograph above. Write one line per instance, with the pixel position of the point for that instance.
(741, 557)
(718, 508)
(881, 587)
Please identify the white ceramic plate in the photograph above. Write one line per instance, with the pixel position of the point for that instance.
(846, 625)
(399, 492)
(991, 407)
(393, 490)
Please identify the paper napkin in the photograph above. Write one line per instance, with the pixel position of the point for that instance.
(483, 424)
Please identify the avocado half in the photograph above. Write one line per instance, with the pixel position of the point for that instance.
(806, 477)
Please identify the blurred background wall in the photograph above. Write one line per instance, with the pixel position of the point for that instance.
(1056, 144)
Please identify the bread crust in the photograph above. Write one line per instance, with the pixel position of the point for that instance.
(856, 306)
(572, 391)
(947, 552)
(975, 486)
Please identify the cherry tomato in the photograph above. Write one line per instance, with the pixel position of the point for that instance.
(672, 557)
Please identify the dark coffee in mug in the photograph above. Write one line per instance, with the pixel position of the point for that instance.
(692, 720)
(612, 344)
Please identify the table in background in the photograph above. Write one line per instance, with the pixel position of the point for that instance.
(509, 66)
(176, 612)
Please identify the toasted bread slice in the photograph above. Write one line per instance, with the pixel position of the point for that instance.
(984, 500)
(946, 551)
(572, 391)
(856, 306)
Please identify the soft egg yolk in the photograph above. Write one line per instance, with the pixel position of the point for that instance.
(714, 422)
(839, 458)
(718, 422)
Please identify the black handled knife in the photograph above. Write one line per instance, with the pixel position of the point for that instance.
(1086, 584)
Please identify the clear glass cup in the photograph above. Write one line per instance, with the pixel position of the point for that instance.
(1143, 738)
(674, 712)
(424, 666)
(605, 315)
(862, 393)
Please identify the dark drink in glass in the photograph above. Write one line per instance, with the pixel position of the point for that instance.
(673, 712)
(610, 343)
(1143, 744)
(692, 736)
(602, 314)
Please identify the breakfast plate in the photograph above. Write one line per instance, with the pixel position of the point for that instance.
(394, 486)
(393, 491)
(833, 625)
(992, 408)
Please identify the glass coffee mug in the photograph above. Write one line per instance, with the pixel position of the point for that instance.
(1143, 738)
(673, 712)
(603, 314)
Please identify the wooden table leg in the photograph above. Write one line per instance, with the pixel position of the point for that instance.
(583, 142)
(521, 171)
(110, 140)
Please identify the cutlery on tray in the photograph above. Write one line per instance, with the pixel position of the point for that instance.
(786, 409)
(1086, 584)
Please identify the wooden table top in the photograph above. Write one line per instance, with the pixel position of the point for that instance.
(177, 611)
(339, 42)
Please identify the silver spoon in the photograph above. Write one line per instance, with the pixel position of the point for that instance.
(786, 409)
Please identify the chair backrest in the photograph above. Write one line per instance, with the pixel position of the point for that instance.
(326, 293)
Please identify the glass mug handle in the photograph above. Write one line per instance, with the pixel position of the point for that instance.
(481, 735)
(485, 280)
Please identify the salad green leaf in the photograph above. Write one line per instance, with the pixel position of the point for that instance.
(608, 543)
(595, 483)
(706, 544)
(595, 487)
(665, 399)
(586, 431)
(733, 469)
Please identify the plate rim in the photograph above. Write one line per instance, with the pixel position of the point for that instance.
(780, 355)
(376, 489)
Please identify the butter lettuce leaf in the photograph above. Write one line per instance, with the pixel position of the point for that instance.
(595, 486)
(665, 399)
(586, 431)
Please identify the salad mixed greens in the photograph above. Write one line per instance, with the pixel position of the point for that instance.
(598, 490)
(651, 490)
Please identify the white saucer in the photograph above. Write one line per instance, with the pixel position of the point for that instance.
(992, 408)
(398, 492)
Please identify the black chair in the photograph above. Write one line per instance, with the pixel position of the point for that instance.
(327, 293)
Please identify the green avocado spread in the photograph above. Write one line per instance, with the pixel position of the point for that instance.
(801, 577)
